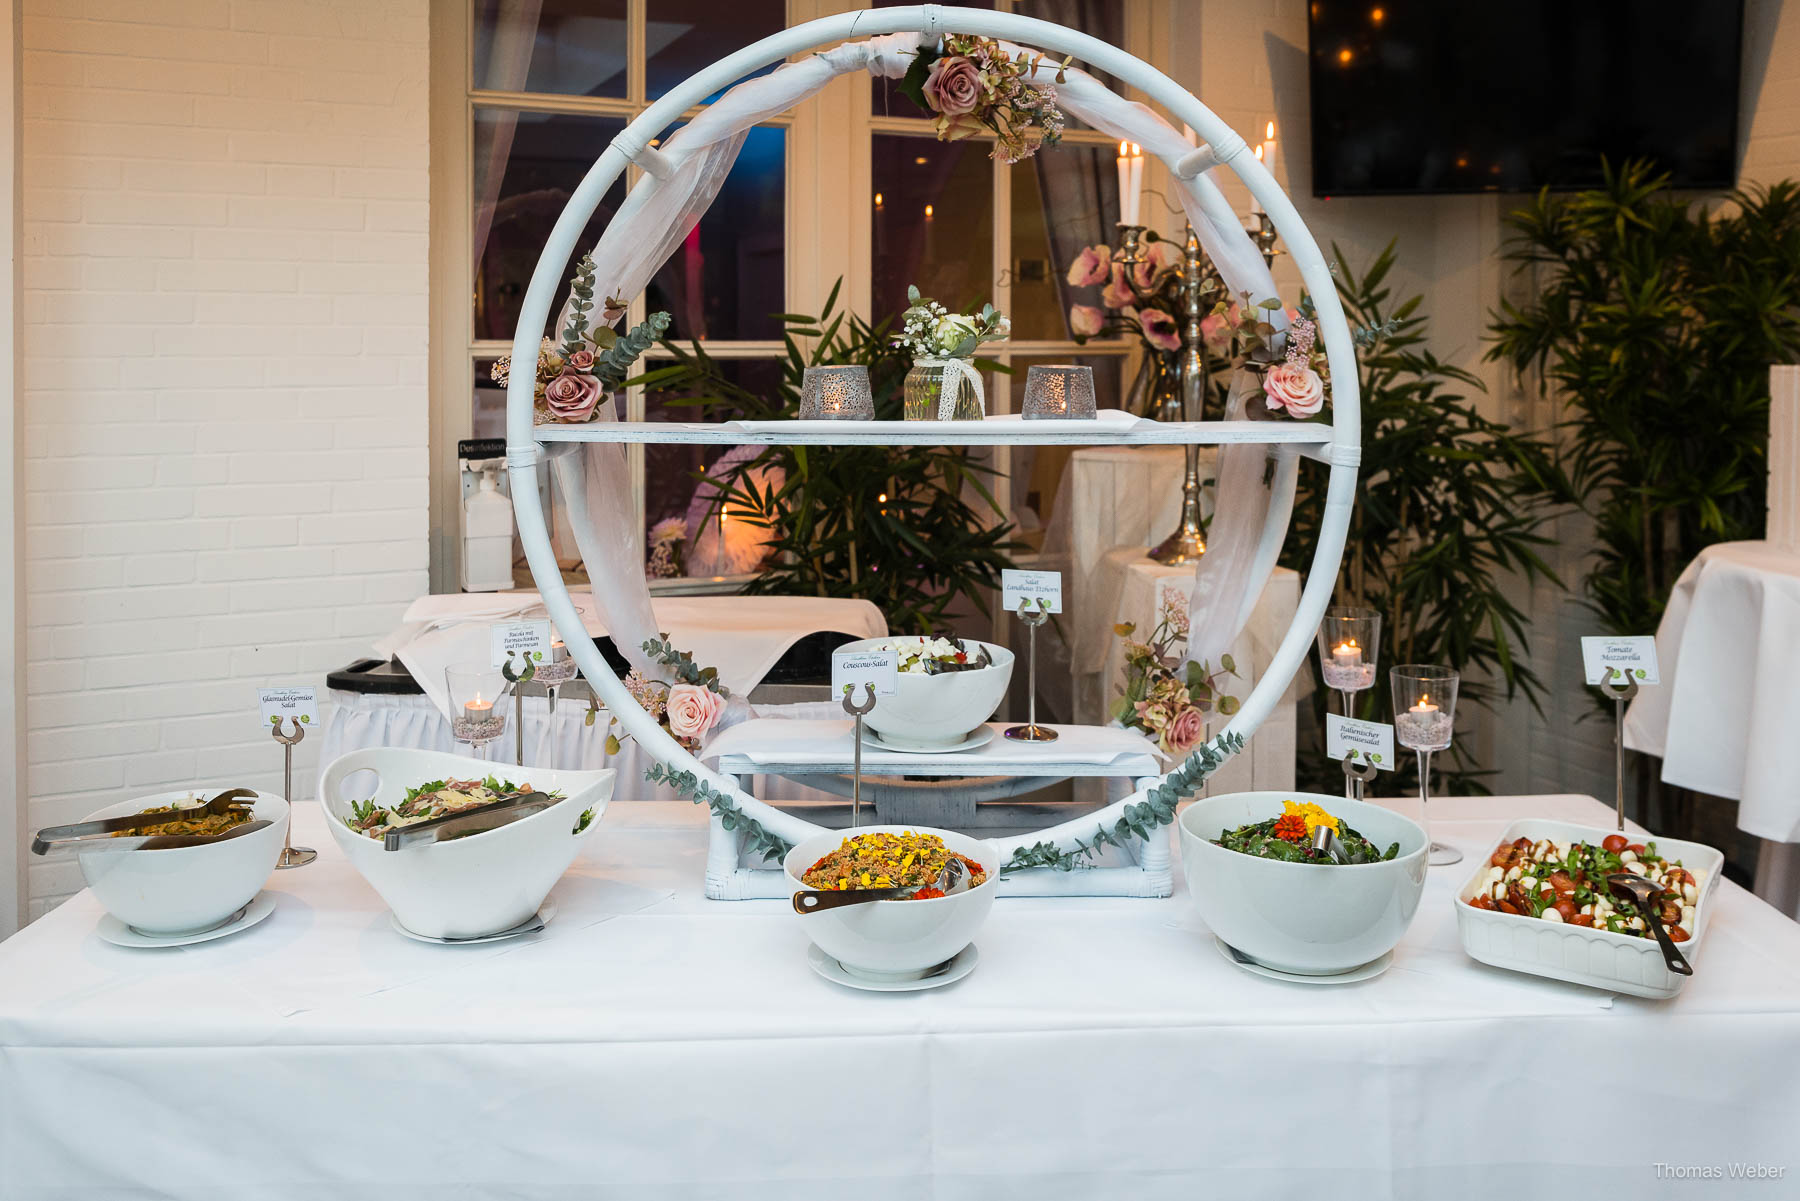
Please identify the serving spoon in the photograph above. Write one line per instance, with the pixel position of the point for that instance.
(1628, 886)
(954, 878)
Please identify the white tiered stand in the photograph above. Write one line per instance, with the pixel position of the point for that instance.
(1338, 444)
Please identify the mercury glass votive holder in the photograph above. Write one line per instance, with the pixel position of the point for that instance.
(1058, 390)
(836, 394)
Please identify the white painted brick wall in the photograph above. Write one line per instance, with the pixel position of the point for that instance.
(224, 360)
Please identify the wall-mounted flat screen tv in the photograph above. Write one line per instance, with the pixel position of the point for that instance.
(1421, 96)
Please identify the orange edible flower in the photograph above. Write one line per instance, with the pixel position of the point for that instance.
(1291, 827)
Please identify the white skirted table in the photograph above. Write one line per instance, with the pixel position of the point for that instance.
(1723, 718)
(653, 1044)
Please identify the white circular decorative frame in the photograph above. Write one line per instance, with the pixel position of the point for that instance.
(1227, 149)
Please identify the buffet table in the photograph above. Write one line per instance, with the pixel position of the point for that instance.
(652, 1044)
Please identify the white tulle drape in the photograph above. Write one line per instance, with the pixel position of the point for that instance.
(665, 205)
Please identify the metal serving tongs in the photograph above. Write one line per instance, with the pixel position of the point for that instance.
(97, 835)
(502, 811)
(954, 878)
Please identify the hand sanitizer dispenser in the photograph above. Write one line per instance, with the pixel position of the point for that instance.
(487, 527)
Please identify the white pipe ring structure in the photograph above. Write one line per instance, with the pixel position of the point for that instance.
(523, 452)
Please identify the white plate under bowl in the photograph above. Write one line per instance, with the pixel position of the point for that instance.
(120, 935)
(545, 912)
(981, 737)
(1367, 971)
(953, 969)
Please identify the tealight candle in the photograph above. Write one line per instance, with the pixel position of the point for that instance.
(478, 709)
(1347, 653)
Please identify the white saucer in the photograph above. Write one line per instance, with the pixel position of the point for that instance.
(954, 969)
(120, 935)
(545, 912)
(1367, 971)
(980, 737)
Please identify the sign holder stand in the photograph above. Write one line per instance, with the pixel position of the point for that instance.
(291, 855)
(856, 712)
(1620, 697)
(1355, 776)
(1031, 731)
(515, 678)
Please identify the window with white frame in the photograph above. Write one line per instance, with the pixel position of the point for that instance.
(851, 186)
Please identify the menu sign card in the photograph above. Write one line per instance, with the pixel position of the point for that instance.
(1370, 741)
(1617, 658)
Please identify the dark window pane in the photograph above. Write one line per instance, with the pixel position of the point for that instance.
(565, 47)
(673, 473)
(526, 167)
(933, 222)
(683, 36)
(729, 278)
(488, 412)
(1064, 199)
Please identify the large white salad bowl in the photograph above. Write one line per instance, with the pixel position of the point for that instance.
(182, 890)
(1308, 919)
(938, 712)
(466, 887)
(896, 940)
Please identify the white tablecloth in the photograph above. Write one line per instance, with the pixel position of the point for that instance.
(650, 1044)
(742, 636)
(1723, 718)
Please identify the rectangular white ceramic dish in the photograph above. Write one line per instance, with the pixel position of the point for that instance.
(1600, 958)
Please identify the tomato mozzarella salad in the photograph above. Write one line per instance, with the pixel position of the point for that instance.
(1566, 882)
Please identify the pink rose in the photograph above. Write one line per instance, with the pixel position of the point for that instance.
(572, 396)
(1299, 390)
(1116, 295)
(1085, 320)
(953, 86)
(582, 360)
(693, 710)
(1185, 732)
(1092, 266)
(1159, 329)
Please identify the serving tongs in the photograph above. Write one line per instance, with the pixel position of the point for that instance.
(954, 878)
(1628, 886)
(98, 835)
(502, 811)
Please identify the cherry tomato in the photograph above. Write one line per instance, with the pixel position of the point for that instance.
(1562, 882)
(1636, 848)
(1582, 919)
(1614, 843)
(1567, 909)
(1677, 934)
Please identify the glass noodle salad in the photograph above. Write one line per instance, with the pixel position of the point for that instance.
(438, 798)
(934, 656)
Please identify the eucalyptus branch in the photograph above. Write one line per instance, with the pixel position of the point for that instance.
(686, 783)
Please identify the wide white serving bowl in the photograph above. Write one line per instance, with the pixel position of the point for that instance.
(1308, 919)
(1600, 958)
(938, 712)
(896, 940)
(466, 887)
(181, 890)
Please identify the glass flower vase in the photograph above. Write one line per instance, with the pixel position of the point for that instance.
(945, 389)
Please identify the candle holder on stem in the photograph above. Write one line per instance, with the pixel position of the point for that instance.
(1349, 648)
(1425, 720)
(475, 714)
(291, 855)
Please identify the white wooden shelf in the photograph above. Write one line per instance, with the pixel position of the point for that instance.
(1310, 438)
(786, 747)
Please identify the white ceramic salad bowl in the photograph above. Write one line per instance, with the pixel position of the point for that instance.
(1580, 954)
(938, 712)
(1303, 918)
(896, 940)
(466, 887)
(181, 890)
